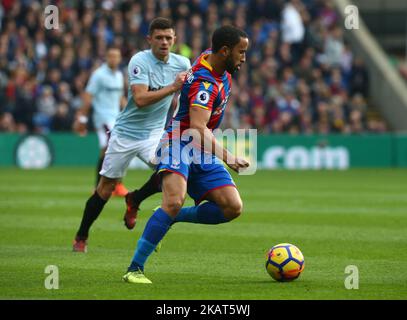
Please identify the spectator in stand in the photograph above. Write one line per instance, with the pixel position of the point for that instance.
(46, 110)
(292, 29)
(359, 80)
(25, 106)
(296, 45)
(7, 122)
(62, 120)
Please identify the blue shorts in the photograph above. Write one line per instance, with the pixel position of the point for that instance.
(202, 176)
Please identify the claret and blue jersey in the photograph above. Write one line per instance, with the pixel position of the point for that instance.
(206, 89)
(203, 88)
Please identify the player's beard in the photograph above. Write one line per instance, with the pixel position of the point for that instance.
(230, 65)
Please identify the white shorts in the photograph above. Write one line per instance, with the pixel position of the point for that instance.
(120, 151)
(103, 134)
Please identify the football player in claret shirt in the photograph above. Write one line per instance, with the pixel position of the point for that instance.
(203, 100)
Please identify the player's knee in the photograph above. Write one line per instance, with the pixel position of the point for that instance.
(105, 193)
(105, 188)
(233, 209)
(173, 206)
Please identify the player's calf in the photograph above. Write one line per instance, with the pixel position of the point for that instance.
(174, 189)
(93, 208)
(233, 209)
(228, 200)
(105, 187)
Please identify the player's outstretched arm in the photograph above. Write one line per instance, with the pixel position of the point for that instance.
(199, 118)
(143, 98)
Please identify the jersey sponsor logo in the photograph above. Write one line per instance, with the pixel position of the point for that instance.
(154, 89)
(221, 107)
(224, 101)
(136, 70)
(190, 76)
(203, 97)
(219, 110)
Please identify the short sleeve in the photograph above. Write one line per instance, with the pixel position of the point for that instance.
(202, 94)
(93, 84)
(138, 73)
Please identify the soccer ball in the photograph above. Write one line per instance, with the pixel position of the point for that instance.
(285, 262)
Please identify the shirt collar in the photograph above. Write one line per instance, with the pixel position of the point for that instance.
(104, 65)
(158, 61)
(206, 64)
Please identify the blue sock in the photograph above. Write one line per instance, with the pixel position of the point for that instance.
(156, 228)
(207, 213)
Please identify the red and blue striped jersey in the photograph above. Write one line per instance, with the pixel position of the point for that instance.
(203, 88)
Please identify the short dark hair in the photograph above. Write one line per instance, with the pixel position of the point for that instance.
(113, 47)
(160, 24)
(226, 36)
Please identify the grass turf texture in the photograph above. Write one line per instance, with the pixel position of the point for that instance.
(336, 218)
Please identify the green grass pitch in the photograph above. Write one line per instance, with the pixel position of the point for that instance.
(337, 218)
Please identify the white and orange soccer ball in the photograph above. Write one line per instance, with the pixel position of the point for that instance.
(285, 262)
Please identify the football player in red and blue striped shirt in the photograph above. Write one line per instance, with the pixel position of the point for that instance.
(190, 157)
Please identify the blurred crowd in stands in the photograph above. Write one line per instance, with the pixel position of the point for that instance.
(300, 75)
